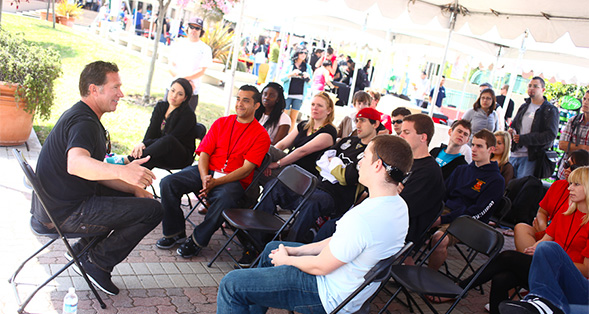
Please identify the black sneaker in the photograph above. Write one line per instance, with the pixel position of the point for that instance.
(188, 249)
(248, 257)
(100, 278)
(168, 243)
(529, 306)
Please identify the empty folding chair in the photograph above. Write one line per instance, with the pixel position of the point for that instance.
(53, 234)
(244, 220)
(425, 281)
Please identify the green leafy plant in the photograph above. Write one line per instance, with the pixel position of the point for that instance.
(33, 67)
(220, 38)
(65, 8)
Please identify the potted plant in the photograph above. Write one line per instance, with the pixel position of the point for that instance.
(27, 75)
(68, 12)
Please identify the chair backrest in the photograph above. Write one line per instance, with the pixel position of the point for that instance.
(476, 235)
(297, 179)
(200, 131)
(378, 273)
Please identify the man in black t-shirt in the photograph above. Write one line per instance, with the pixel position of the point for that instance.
(87, 195)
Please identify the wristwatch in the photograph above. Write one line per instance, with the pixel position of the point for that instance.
(278, 163)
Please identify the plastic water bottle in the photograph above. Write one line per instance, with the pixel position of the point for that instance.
(70, 302)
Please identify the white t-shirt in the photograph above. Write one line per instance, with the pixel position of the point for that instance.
(467, 152)
(366, 234)
(189, 57)
(284, 120)
(526, 128)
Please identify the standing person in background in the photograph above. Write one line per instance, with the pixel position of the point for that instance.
(190, 58)
(369, 70)
(296, 79)
(509, 108)
(259, 52)
(273, 60)
(533, 130)
(316, 56)
(441, 95)
(575, 134)
(483, 114)
(421, 88)
(138, 19)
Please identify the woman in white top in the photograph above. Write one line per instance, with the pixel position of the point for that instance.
(483, 114)
(271, 114)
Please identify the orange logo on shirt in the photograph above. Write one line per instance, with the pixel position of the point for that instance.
(478, 185)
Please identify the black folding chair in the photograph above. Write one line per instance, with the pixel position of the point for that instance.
(243, 220)
(53, 234)
(379, 273)
(501, 211)
(425, 281)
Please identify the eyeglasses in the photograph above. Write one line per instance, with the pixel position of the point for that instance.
(486, 98)
(108, 145)
(568, 165)
(397, 121)
(534, 85)
(196, 28)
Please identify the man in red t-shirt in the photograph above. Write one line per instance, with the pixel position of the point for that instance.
(234, 146)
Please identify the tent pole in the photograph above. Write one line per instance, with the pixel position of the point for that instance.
(515, 70)
(355, 75)
(443, 65)
(231, 79)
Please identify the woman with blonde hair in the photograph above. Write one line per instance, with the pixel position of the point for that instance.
(308, 140)
(501, 155)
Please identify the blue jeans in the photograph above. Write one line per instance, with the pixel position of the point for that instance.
(522, 167)
(255, 290)
(554, 277)
(129, 218)
(292, 103)
(271, 72)
(222, 197)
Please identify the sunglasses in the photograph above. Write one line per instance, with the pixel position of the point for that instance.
(397, 121)
(568, 165)
(194, 27)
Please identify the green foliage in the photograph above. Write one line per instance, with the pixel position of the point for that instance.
(220, 38)
(558, 89)
(33, 67)
(65, 8)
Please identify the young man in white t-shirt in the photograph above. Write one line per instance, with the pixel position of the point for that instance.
(190, 58)
(317, 277)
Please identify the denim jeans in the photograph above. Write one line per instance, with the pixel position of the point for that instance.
(554, 277)
(522, 167)
(129, 218)
(222, 197)
(255, 290)
(292, 103)
(271, 72)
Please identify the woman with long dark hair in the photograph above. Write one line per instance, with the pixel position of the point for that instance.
(169, 139)
(483, 114)
(271, 113)
(296, 79)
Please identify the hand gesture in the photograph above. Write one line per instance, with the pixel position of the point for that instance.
(137, 175)
(208, 183)
(279, 256)
(138, 150)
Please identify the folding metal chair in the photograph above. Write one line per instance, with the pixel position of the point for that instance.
(379, 273)
(425, 281)
(243, 220)
(54, 233)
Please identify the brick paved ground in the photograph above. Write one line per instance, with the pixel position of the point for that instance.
(151, 280)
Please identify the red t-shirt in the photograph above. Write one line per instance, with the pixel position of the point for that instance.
(233, 142)
(556, 199)
(568, 232)
(385, 120)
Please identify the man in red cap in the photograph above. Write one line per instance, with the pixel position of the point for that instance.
(190, 58)
(337, 190)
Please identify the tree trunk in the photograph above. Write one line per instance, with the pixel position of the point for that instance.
(162, 9)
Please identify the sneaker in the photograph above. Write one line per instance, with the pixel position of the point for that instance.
(100, 278)
(248, 257)
(188, 249)
(488, 307)
(168, 243)
(530, 306)
(115, 159)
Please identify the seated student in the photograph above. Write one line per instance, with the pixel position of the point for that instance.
(385, 120)
(308, 140)
(87, 195)
(424, 189)
(555, 201)
(398, 114)
(323, 274)
(501, 155)
(347, 126)
(233, 147)
(555, 283)
(448, 156)
(470, 190)
(271, 113)
(169, 139)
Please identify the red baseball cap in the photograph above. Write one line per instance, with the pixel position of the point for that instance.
(369, 113)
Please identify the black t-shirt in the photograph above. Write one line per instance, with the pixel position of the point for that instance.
(308, 162)
(509, 109)
(78, 127)
(297, 83)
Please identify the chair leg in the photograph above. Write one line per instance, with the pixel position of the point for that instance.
(82, 270)
(223, 249)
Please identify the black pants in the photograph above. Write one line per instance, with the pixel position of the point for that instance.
(167, 152)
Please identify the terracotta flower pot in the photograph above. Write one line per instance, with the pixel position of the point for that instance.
(15, 123)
